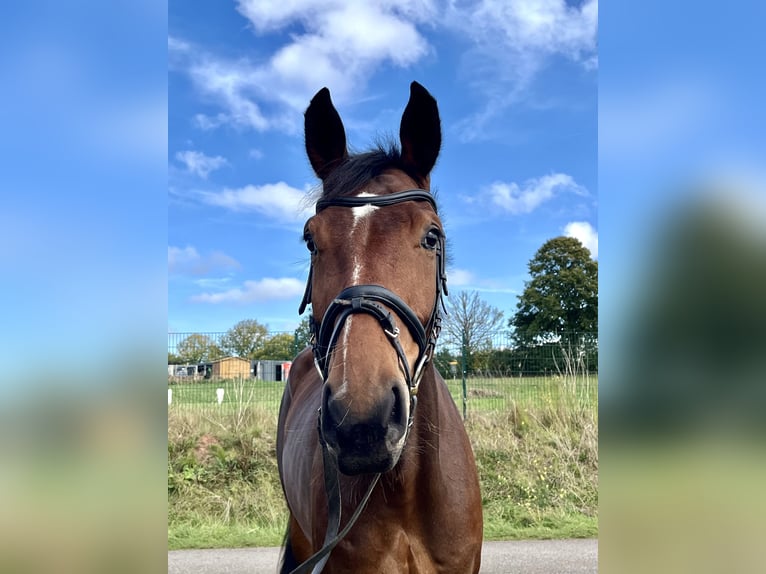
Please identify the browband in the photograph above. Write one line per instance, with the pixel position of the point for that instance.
(378, 200)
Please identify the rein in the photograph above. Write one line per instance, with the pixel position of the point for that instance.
(369, 299)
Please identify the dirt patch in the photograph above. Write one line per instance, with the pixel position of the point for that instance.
(202, 450)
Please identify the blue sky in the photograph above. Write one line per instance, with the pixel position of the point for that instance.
(516, 85)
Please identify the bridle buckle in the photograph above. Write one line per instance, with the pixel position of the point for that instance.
(392, 334)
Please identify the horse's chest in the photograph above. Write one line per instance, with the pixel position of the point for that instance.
(393, 552)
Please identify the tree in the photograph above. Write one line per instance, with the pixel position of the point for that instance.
(277, 347)
(302, 336)
(446, 362)
(198, 348)
(471, 322)
(244, 339)
(560, 302)
(174, 359)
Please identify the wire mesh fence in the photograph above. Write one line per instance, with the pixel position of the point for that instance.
(495, 374)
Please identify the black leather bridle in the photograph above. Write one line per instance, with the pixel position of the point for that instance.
(372, 300)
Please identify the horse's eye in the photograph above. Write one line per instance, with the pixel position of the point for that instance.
(431, 240)
(310, 245)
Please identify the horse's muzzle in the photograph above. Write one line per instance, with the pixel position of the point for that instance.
(365, 442)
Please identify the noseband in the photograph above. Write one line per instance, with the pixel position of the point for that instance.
(370, 299)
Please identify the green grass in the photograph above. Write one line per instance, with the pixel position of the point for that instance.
(538, 468)
(205, 533)
(223, 486)
(201, 394)
(484, 394)
(504, 393)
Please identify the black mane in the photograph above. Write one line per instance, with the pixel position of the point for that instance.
(358, 169)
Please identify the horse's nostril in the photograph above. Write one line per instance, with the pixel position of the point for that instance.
(397, 411)
(326, 400)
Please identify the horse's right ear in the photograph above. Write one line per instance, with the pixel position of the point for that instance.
(325, 136)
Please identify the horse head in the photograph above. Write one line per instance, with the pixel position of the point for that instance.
(377, 276)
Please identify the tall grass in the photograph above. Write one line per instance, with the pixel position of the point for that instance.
(538, 468)
(223, 485)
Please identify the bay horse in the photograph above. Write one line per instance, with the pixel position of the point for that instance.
(367, 425)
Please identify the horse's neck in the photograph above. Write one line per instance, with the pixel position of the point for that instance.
(424, 440)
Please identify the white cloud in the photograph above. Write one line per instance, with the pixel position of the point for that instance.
(200, 164)
(207, 123)
(341, 43)
(212, 282)
(188, 261)
(517, 199)
(585, 232)
(232, 84)
(338, 44)
(542, 26)
(512, 43)
(178, 255)
(177, 45)
(523, 34)
(459, 277)
(464, 279)
(267, 289)
(255, 153)
(275, 200)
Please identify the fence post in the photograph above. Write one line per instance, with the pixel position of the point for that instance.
(465, 393)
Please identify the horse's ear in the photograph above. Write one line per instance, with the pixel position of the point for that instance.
(420, 132)
(325, 136)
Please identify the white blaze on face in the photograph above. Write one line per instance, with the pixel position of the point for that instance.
(359, 241)
(359, 214)
(362, 211)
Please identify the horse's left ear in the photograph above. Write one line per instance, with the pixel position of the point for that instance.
(420, 132)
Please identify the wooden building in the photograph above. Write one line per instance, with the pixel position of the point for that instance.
(231, 368)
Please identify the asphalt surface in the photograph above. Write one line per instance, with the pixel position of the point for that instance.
(506, 557)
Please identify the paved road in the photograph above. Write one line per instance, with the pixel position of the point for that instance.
(509, 557)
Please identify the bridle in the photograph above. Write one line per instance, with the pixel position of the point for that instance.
(372, 300)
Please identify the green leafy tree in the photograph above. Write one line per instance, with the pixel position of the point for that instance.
(302, 336)
(503, 362)
(471, 324)
(245, 339)
(174, 359)
(560, 301)
(277, 347)
(198, 348)
(445, 361)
